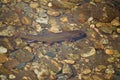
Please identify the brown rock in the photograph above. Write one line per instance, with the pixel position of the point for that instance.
(109, 51)
(25, 20)
(64, 19)
(11, 64)
(3, 58)
(22, 55)
(82, 18)
(34, 4)
(53, 12)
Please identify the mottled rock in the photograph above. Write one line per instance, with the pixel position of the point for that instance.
(43, 18)
(66, 69)
(5, 1)
(69, 61)
(3, 58)
(108, 76)
(25, 20)
(100, 68)
(50, 54)
(25, 7)
(95, 77)
(82, 18)
(22, 55)
(53, 65)
(10, 64)
(107, 29)
(109, 51)
(43, 74)
(34, 4)
(109, 70)
(64, 19)
(104, 41)
(118, 30)
(54, 26)
(63, 4)
(89, 52)
(53, 12)
(7, 43)
(101, 12)
(3, 77)
(115, 22)
(111, 59)
(87, 77)
(9, 31)
(86, 71)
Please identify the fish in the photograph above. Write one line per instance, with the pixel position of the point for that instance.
(51, 37)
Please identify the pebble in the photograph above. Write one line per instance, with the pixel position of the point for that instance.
(3, 50)
(104, 41)
(66, 69)
(107, 29)
(38, 28)
(43, 18)
(86, 71)
(3, 58)
(8, 31)
(64, 19)
(91, 51)
(20, 66)
(12, 76)
(96, 77)
(87, 77)
(53, 12)
(82, 18)
(22, 55)
(109, 51)
(63, 4)
(111, 59)
(108, 76)
(7, 43)
(25, 20)
(110, 70)
(42, 75)
(69, 61)
(50, 54)
(115, 22)
(49, 4)
(10, 64)
(53, 65)
(34, 4)
(100, 24)
(54, 26)
(5, 1)
(3, 77)
(118, 30)
(100, 68)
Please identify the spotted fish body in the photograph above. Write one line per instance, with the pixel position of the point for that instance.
(50, 37)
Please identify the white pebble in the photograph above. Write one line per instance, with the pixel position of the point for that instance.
(11, 76)
(3, 50)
